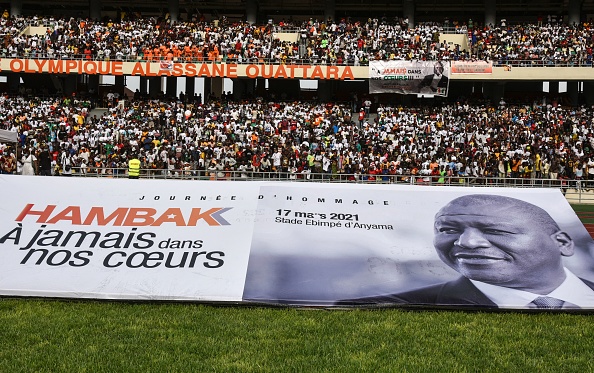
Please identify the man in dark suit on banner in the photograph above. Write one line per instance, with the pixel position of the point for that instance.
(509, 253)
(436, 82)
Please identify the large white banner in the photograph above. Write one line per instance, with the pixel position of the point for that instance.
(293, 243)
(125, 239)
(429, 78)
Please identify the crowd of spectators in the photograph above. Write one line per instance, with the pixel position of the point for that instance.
(343, 41)
(300, 139)
(535, 45)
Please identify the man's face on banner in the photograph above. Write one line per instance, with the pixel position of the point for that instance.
(501, 244)
(438, 69)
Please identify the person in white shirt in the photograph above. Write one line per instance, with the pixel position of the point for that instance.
(66, 161)
(509, 253)
(276, 161)
(29, 163)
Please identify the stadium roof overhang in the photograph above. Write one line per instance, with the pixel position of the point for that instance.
(423, 8)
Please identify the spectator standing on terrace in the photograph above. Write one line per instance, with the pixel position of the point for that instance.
(29, 163)
(554, 169)
(134, 167)
(362, 116)
(367, 106)
(7, 163)
(66, 163)
(45, 162)
(590, 166)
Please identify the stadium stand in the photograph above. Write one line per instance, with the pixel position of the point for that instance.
(336, 43)
(460, 138)
(295, 139)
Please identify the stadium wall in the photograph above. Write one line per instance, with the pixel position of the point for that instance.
(263, 70)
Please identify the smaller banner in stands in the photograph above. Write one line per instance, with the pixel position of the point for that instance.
(472, 67)
(409, 77)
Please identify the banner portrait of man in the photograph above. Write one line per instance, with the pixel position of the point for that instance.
(509, 255)
(424, 247)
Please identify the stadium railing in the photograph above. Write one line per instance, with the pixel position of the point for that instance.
(576, 191)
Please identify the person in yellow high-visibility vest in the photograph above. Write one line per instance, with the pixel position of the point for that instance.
(133, 168)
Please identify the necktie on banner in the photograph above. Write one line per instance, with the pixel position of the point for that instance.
(548, 303)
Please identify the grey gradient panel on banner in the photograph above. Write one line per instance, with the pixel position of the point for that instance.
(429, 78)
(297, 244)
